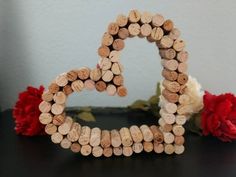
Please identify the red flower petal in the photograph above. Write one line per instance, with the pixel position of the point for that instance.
(219, 116)
(26, 112)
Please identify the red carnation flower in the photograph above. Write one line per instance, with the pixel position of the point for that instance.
(26, 112)
(219, 116)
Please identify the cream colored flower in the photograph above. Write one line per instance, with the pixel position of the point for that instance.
(195, 93)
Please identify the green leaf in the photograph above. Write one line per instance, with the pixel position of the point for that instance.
(153, 100)
(194, 124)
(87, 116)
(85, 109)
(140, 104)
(158, 89)
(155, 110)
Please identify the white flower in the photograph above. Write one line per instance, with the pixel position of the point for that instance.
(195, 93)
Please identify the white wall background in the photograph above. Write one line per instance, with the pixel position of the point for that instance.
(40, 39)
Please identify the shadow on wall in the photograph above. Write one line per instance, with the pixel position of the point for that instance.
(14, 70)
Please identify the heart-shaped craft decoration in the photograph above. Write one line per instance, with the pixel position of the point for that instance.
(166, 137)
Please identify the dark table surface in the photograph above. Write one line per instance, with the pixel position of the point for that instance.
(39, 157)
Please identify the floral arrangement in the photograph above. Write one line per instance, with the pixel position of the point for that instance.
(208, 114)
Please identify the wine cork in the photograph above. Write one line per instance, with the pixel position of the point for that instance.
(182, 56)
(113, 28)
(89, 84)
(95, 137)
(77, 86)
(184, 109)
(100, 86)
(105, 139)
(168, 25)
(117, 151)
(147, 146)
(169, 75)
(45, 118)
(86, 150)
(103, 51)
(107, 152)
(123, 33)
(114, 56)
(66, 126)
(167, 117)
(166, 42)
(168, 137)
(174, 34)
(59, 97)
(56, 138)
(170, 107)
(182, 78)
(169, 149)
(170, 64)
(57, 109)
(157, 20)
(146, 17)
(118, 80)
(137, 147)
(47, 96)
(50, 129)
(147, 133)
(71, 75)
(115, 138)
(179, 45)
(180, 119)
(95, 74)
(67, 90)
(83, 73)
(121, 91)
(179, 140)
(134, 16)
(121, 20)
(179, 149)
(156, 34)
(125, 137)
(53, 88)
(166, 127)
(167, 53)
(172, 86)
(170, 96)
(107, 39)
(118, 44)
(182, 89)
(61, 80)
(74, 132)
(97, 151)
(116, 68)
(58, 120)
(84, 135)
(157, 134)
(107, 76)
(75, 147)
(182, 67)
(105, 63)
(44, 107)
(127, 151)
(134, 29)
(178, 130)
(111, 90)
(145, 30)
(136, 134)
(158, 148)
(65, 143)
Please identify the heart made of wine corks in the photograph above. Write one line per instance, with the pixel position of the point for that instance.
(166, 137)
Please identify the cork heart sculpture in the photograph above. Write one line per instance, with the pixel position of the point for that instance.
(166, 137)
